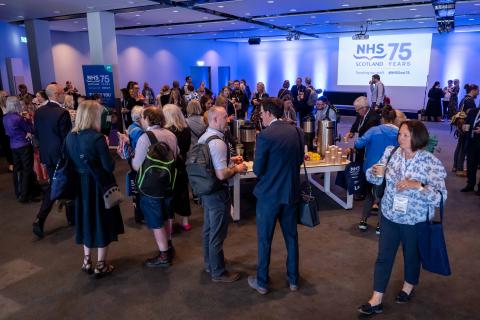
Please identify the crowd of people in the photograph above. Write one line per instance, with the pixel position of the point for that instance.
(162, 131)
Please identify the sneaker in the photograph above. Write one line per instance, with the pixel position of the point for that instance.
(377, 230)
(293, 287)
(227, 277)
(368, 309)
(186, 227)
(252, 282)
(161, 260)
(362, 225)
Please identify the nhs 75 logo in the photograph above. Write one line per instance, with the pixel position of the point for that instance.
(394, 51)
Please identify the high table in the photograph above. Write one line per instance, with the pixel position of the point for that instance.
(312, 167)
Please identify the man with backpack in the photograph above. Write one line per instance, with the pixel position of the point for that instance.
(209, 167)
(154, 161)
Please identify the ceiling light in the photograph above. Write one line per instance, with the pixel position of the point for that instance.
(137, 15)
(90, 7)
(205, 18)
(271, 20)
(247, 14)
(200, 26)
(293, 10)
(345, 5)
(420, 22)
(220, 6)
(169, 28)
(232, 22)
(56, 11)
(471, 19)
(313, 17)
(75, 21)
(131, 2)
(289, 24)
(413, 9)
(139, 23)
(84, 28)
(175, 11)
(418, 15)
(20, 17)
(477, 4)
(2, 4)
(170, 21)
(143, 30)
(359, 12)
(270, 1)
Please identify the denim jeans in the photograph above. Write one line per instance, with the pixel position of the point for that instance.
(267, 215)
(390, 238)
(216, 207)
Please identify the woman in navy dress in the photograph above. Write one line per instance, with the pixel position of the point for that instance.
(96, 227)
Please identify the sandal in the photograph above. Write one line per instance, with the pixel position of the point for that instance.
(87, 266)
(102, 269)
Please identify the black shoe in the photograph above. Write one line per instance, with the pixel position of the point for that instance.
(403, 297)
(38, 228)
(139, 219)
(171, 249)
(362, 225)
(227, 277)
(467, 189)
(359, 197)
(161, 260)
(368, 309)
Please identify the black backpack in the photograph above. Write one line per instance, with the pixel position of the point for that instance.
(156, 177)
(200, 170)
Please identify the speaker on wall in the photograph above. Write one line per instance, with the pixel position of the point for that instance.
(252, 41)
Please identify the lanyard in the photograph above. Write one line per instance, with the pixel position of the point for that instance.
(363, 120)
(405, 165)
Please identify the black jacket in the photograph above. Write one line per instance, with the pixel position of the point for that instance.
(52, 124)
(372, 119)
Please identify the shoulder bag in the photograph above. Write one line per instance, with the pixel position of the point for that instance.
(431, 244)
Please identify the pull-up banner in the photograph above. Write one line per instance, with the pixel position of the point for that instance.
(98, 78)
(400, 60)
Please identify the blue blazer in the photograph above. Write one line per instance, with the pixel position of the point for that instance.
(52, 124)
(278, 157)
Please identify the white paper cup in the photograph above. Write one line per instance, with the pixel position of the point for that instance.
(380, 169)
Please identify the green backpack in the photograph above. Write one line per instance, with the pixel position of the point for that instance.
(156, 177)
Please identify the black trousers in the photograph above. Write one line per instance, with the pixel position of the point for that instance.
(473, 160)
(5, 144)
(47, 204)
(23, 174)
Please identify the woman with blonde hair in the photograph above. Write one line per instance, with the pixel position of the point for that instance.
(260, 94)
(195, 121)
(175, 122)
(95, 227)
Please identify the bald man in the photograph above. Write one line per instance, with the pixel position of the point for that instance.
(216, 205)
(52, 124)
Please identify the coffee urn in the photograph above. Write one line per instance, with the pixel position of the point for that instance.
(325, 136)
(308, 126)
(237, 123)
(248, 137)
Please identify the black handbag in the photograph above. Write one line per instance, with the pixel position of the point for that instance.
(431, 244)
(63, 184)
(308, 206)
(379, 190)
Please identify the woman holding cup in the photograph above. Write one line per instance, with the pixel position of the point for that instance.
(414, 180)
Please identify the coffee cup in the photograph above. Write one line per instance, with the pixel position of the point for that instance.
(380, 168)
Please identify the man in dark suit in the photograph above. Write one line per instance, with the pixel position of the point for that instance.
(366, 119)
(278, 157)
(52, 124)
(473, 149)
(300, 97)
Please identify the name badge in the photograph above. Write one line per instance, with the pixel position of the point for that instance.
(109, 118)
(400, 204)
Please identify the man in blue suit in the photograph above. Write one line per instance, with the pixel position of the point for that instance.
(52, 124)
(278, 157)
(473, 149)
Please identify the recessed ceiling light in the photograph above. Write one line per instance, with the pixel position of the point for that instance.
(175, 11)
(252, 27)
(418, 15)
(169, 28)
(241, 31)
(270, 1)
(200, 26)
(90, 7)
(170, 21)
(131, 2)
(293, 10)
(406, 0)
(477, 4)
(139, 23)
(232, 22)
(359, 12)
(304, 29)
(75, 21)
(313, 17)
(471, 19)
(205, 18)
(220, 6)
(289, 24)
(2, 4)
(413, 9)
(137, 15)
(84, 28)
(270, 31)
(271, 20)
(345, 5)
(56, 11)
(378, 24)
(143, 30)
(20, 17)
(247, 13)
(420, 22)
